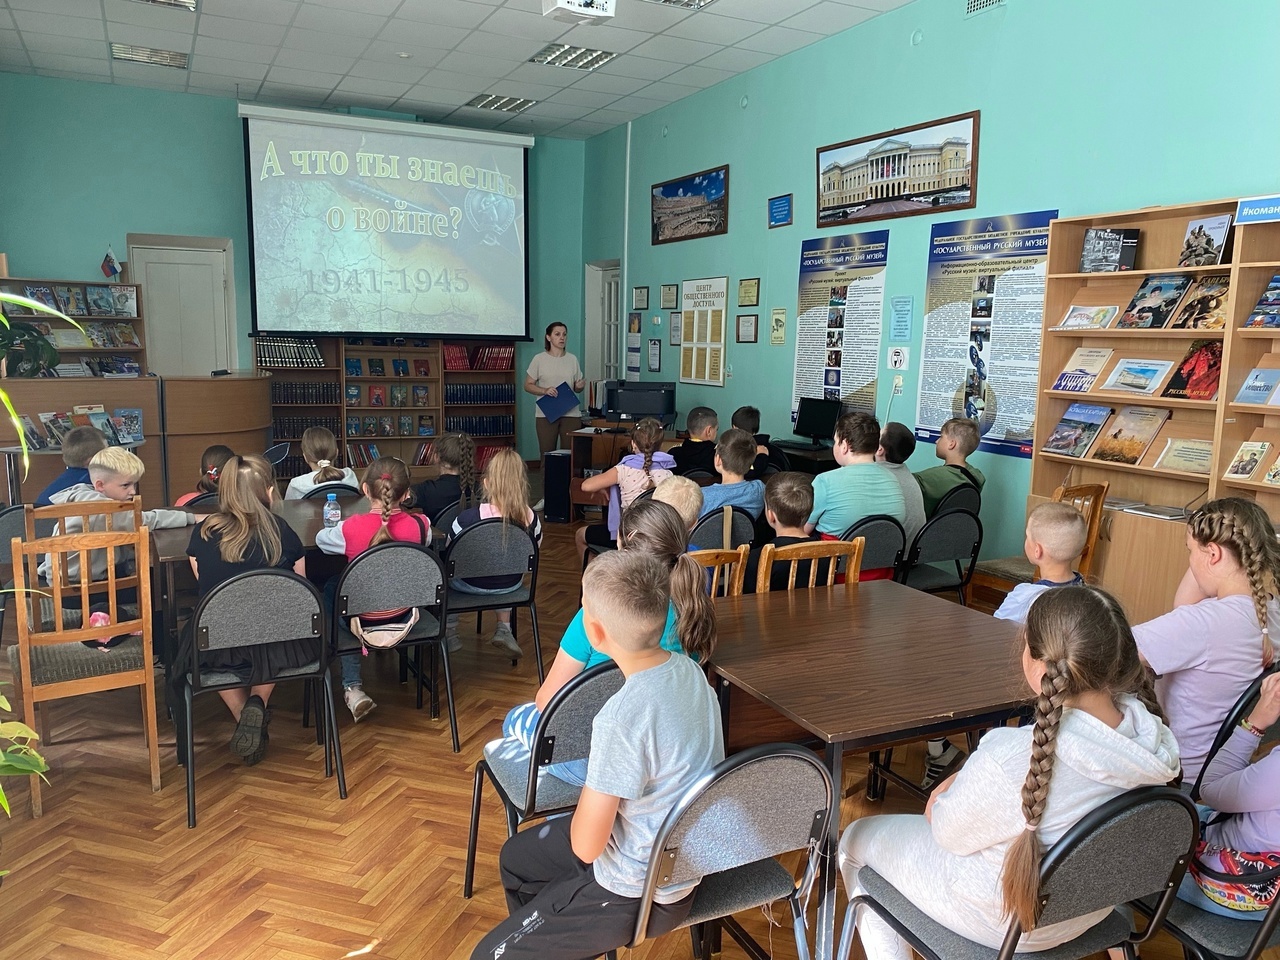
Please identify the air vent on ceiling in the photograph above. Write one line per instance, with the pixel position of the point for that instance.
(565, 55)
(974, 7)
(490, 101)
(180, 4)
(160, 58)
(687, 4)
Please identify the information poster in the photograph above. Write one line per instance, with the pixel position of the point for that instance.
(633, 346)
(838, 321)
(983, 309)
(702, 330)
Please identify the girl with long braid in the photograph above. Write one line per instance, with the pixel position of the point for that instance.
(642, 469)
(455, 454)
(1218, 637)
(386, 484)
(971, 862)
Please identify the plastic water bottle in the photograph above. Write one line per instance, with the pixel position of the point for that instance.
(332, 511)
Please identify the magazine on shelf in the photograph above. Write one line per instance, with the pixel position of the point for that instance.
(1273, 475)
(41, 294)
(72, 301)
(1137, 376)
(1077, 429)
(1205, 305)
(36, 439)
(101, 301)
(1106, 250)
(1196, 377)
(102, 421)
(1155, 301)
(1087, 318)
(1258, 386)
(1267, 311)
(128, 424)
(56, 426)
(1186, 456)
(1205, 242)
(355, 368)
(124, 299)
(1082, 369)
(1247, 460)
(1127, 436)
(377, 368)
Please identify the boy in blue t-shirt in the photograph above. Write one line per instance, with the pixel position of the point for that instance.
(735, 453)
(860, 487)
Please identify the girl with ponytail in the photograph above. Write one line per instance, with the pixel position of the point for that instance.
(386, 484)
(972, 861)
(1218, 637)
(320, 450)
(642, 469)
(652, 527)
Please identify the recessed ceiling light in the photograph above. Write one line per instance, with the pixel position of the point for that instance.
(490, 101)
(565, 55)
(687, 4)
(160, 58)
(180, 4)
(404, 55)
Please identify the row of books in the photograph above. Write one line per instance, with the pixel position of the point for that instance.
(480, 393)
(425, 454)
(1126, 438)
(1177, 301)
(293, 427)
(92, 333)
(122, 425)
(288, 352)
(295, 466)
(488, 357)
(113, 368)
(395, 395)
(305, 391)
(501, 425)
(362, 454)
(1195, 377)
(1127, 505)
(386, 425)
(377, 367)
(1107, 251)
(78, 299)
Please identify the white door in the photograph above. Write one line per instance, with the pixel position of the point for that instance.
(189, 316)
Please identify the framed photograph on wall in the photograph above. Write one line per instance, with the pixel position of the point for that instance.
(639, 298)
(748, 327)
(688, 207)
(749, 292)
(670, 296)
(924, 168)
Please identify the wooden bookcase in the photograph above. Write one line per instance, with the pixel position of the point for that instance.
(1141, 559)
(371, 399)
(65, 335)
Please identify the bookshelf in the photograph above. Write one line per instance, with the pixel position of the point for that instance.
(1141, 558)
(112, 338)
(391, 400)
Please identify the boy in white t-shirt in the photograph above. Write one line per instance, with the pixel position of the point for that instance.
(1056, 533)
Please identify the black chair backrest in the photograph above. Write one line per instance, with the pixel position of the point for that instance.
(698, 475)
(1241, 709)
(564, 728)
(708, 532)
(952, 536)
(761, 803)
(884, 541)
(391, 576)
(13, 523)
(209, 499)
(276, 453)
(964, 496)
(342, 490)
(646, 494)
(442, 522)
(491, 548)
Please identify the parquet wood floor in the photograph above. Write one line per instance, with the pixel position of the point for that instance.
(279, 868)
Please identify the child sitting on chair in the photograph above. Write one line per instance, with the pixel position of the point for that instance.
(78, 448)
(643, 469)
(320, 450)
(788, 501)
(957, 439)
(456, 456)
(683, 494)
(211, 463)
(1056, 533)
(699, 451)
(735, 453)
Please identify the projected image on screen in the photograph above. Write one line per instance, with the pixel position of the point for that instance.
(365, 231)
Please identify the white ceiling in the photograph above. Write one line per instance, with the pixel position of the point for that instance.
(339, 53)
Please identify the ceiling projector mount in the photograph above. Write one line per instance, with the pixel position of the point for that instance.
(579, 11)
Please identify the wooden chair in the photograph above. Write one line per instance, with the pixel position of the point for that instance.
(1006, 573)
(733, 563)
(50, 660)
(798, 553)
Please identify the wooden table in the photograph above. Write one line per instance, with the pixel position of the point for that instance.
(882, 665)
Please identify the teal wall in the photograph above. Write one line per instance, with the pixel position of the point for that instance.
(1086, 106)
(95, 162)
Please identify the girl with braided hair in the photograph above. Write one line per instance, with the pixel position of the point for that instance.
(386, 485)
(455, 454)
(1218, 637)
(971, 862)
(642, 469)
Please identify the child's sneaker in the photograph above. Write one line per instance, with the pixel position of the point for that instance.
(938, 767)
(257, 755)
(452, 641)
(358, 702)
(505, 641)
(247, 738)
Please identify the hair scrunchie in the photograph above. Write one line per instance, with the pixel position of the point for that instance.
(324, 463)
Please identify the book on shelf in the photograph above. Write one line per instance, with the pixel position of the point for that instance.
(1077, 429)
(377, 395)
(370, 425)
(455, 357)
(102, 421)
(421, 396)
(1205, 305)
(36, 438)
(1196, 377)
(68, 338)
(424, 453)
(128, 424)
(494, 357)
(1258, 386)
(1186, 456)
(288, 352)
(1247, 460)
(1272, 476)
(73, 368)
(1106, 250)
(1205, 242)
(1127, 436)
(1137, 376)
(1155, 301)
(354, 394)
(354, 367)
(421, 367)
(426, 425)
(353, 426)
(56, 426)
(386, 426)
(404, 423)
(1082, 369)
(361, 454)
(1158, 512)
(71, 300)
(400, 368)
(1087, 318)
(376, 367)
(398, 395)
(1266, 313)
(485, 453)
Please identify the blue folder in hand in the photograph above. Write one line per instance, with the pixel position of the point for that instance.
(553, 408)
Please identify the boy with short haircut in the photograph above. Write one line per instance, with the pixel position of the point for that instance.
(859, 488)
(1056, 533)
(682, 494)
(958, 439)
(573, 884)
(748, 419)
(897, 443)
(735, 452)
(699, 451)
(78, 448)
(788, 501)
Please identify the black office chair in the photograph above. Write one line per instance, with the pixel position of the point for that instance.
(203, 500)
(884, 541)
(344, 491)
(709, 532)
(965, 496)
(954, 537)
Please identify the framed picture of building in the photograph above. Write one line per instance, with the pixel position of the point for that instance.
(693, 206)
(926, 168)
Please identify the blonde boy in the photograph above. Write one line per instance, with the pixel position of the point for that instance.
(78, 448)
(1055, 536)
(959, 438)
(683, 494)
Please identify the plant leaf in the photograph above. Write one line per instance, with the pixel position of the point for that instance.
(16, 764)
(4, 703)
(4, 805)
(14, 730)
(35, 306)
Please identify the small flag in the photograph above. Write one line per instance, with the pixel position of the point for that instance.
(110, 266)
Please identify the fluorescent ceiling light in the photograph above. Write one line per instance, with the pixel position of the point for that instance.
(687, 4)
(160, 58)
(565, 55)
(180, 4)
(490, 101)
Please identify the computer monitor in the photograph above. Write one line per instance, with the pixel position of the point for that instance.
(635, 400)
(816, 419)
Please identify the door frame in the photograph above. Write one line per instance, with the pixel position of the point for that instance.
(596, 346)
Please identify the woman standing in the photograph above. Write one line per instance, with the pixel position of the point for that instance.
(547, 371)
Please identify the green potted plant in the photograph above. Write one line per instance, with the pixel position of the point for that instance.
(18, 756)
(25, 352)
